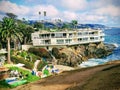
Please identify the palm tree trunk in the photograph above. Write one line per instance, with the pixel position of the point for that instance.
(25, 40)
(8, 49)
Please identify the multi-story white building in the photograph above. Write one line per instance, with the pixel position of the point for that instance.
(79, 36)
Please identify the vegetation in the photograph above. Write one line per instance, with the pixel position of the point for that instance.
(8, 32)
(27, 63)
(26, 74)
(29, 78)
(41, 65)
(42, 52)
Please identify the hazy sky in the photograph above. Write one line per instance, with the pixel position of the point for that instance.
(105, 12)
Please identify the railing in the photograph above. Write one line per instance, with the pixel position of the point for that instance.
(69, 43)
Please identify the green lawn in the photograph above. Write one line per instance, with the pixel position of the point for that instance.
(26, 74)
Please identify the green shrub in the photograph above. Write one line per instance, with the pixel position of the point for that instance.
(23, 53)
(26, 55)
(42, 52)
(41, 65)
(28, 64)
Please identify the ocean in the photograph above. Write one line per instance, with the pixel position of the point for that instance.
(112, 36)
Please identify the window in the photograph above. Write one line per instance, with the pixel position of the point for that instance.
(101, 37)
(91, 38)
(52, 35)
(68, 40)
(85, 39)
(60, 41)
(70, 34)
(79, 33)
(85, 33)
(96, 38)
(79, 39)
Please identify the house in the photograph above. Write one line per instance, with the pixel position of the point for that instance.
(66, 38)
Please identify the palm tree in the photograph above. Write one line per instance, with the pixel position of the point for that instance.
(7, 32)
(26, 31)
(74, 23)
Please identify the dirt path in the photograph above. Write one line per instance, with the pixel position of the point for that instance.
(64, 80)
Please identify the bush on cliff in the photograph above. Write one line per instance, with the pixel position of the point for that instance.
(17, 60)
(41, 65)
(42, 52)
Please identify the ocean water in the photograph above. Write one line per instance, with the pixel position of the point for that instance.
(112, 36)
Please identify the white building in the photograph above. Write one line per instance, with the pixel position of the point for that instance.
(79, 36)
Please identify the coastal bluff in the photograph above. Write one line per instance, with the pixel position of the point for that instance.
(74, 55)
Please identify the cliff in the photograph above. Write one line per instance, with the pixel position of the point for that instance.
(74, 55)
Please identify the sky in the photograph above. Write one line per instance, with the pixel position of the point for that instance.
(106, 12)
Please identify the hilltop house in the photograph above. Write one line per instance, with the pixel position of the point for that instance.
(66, 38)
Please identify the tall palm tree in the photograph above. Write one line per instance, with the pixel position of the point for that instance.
(7, 32)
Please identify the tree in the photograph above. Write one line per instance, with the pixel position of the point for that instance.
(7, 32)
(38, 25)
(66, 26)
(27, 34)
(26, 31)
(74, 23)
(11, 15)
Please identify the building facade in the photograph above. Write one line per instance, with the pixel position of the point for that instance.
(79, 36)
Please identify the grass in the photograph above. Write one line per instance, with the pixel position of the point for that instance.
(29, 78)
(107, 79)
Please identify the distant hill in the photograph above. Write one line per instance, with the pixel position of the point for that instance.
(60, 25)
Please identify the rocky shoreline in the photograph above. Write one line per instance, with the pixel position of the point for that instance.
(74, 55)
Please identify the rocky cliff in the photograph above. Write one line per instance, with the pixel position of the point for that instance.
(74, 55)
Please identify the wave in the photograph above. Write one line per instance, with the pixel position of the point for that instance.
(93, 62)
(115, 44)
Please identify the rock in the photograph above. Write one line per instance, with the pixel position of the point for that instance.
(74, 55)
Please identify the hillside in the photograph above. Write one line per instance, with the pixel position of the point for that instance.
(60, 24)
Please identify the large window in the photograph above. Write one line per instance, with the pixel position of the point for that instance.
(85, 39)
(79, 33)
(60, 41)
(68, 40)
(85, 33)
(96, 38)
(60, 35)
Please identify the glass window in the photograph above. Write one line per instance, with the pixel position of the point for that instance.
(60, 41)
